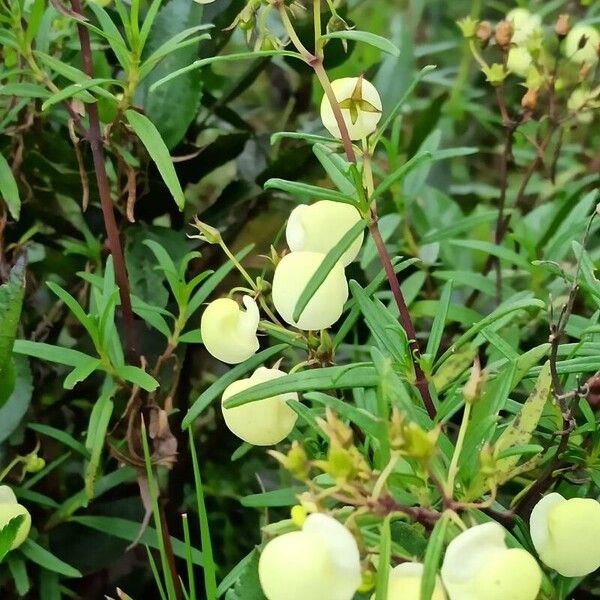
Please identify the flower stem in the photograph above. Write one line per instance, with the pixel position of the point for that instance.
(460, 440)
(317, 64)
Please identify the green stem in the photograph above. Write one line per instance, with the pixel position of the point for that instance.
(238, 265)
(453, 469)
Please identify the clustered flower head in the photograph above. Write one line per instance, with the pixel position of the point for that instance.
(9, 509)
(319, 562)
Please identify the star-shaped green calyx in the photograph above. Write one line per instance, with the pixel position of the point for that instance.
(356, 103)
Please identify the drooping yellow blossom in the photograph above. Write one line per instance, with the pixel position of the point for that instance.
(264, 422)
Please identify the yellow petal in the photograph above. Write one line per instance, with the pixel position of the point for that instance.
(320, 226)
(291, 276)
(519, 61)
(524, 24)
(479, 566)
(366, 122)
(264, 422)
(405, 583)
(321, 562)
(589, 37)
(229, 333)
(565, 534)
(9, 509)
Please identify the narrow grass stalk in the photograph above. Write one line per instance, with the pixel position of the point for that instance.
(210, 577)
(172, 584)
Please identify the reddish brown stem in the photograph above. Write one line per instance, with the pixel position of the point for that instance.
(405, 320)
(94, 137)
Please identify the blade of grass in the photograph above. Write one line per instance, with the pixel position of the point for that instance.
(210, 578)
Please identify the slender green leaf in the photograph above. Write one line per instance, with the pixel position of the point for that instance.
(9, 190)
(344, 377)
(366, 37)
(326, 266)
(157, 149)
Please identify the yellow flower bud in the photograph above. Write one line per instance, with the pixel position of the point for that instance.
(320, 226)
(229, 333)
(405, 583)
(565, 534)
(582, 45)
(263, 422)
(360, 104)
(321, 562)
(524, 24)
(291, 276)
(479, 566)
(518, 61)
(9, 509)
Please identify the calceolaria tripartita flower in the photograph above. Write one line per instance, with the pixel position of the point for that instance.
(264, 422)
(566, 534)
(9, 509)
(404, 583)
(361, 107)
(582, 45)
(320, 226)
(228, 332)
(291, 276)
(320, 562)
(523, 24)
(479, 566)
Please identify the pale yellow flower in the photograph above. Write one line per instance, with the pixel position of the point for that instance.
(566, 534)
(9, 509)
(320, 562)
(519, 60)
(582, 44)
(479, 566)
(320, 226)
(264, 422)
(228, 332)
(405, 583)
(291, 276)
(524, 24)
(361, 107)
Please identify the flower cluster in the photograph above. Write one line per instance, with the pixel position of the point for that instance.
(230, 332)
(562, 63)
(321, 561)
